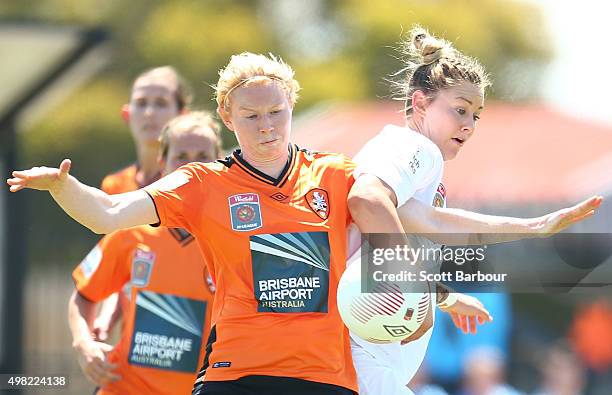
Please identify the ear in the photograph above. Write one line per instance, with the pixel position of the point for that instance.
(125, 113)
(225, 117)
(162, 163)
(419, 102)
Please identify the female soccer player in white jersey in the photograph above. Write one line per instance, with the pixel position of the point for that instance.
(444, 94)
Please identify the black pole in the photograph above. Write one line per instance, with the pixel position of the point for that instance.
(14, 259)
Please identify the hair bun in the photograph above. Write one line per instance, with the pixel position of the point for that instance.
(427, 46)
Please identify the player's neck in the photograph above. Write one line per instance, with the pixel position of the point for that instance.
(415, 125)
(272, 166)
(148, 164)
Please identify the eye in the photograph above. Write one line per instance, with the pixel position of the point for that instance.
(161, 103)
(275, 112)
(476, 117)
(252, 116)
(461, 111)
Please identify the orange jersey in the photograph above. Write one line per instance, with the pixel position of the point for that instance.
(122, 181)
(276, 249)
(170, 298)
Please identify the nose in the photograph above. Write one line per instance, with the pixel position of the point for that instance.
(469, 127)
(265, 126)
(149, 110)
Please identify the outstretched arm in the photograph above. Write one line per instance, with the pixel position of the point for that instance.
(460, 227)
(98, 211)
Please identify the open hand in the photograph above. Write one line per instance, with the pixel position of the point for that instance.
(467, 313)
(41, 178)
(557, 221)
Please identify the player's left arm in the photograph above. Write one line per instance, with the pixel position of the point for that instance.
(452, 226)
(372, 205)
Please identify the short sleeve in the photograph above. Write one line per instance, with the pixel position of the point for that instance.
(105, 269)
(406, 163)
(174, 194)
(349, 171)
(349, 176)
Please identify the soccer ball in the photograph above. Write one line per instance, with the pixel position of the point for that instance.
(386, 315)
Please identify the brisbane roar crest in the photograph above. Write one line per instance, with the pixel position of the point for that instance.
(318, 201)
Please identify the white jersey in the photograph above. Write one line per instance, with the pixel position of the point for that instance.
(412, 166)
(408, 162)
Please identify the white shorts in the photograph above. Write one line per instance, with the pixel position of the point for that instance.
(387, 368)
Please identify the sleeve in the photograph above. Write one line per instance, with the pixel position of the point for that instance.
(349, 176)
(405, 168)
(105, 269)
(175, 196)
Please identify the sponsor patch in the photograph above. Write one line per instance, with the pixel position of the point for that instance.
(245, 212)
(291, 272)
(318, 201)
(90, 263)
(142, 266)
(221, 365)
(167, 332)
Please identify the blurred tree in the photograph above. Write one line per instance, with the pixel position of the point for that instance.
(341, 50)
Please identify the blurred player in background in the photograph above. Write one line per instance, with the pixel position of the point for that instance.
(402, 166)
(170, 301)
(158, 95)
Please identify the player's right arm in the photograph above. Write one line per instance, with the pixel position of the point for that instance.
(91, 354)
(98, 211)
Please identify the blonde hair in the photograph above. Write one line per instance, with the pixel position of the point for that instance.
(168, 74)
(188, 123)
(433, 64)
(246, 68)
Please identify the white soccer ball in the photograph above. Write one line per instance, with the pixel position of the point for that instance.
(385, 316)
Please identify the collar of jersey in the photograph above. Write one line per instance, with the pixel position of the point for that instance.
(263, 177)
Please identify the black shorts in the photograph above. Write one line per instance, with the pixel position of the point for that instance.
(268, 385)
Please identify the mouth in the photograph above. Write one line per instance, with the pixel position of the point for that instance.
(458, 141)
(269, 142)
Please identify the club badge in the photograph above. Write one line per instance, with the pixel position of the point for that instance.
(317, 200)
(439, 199)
